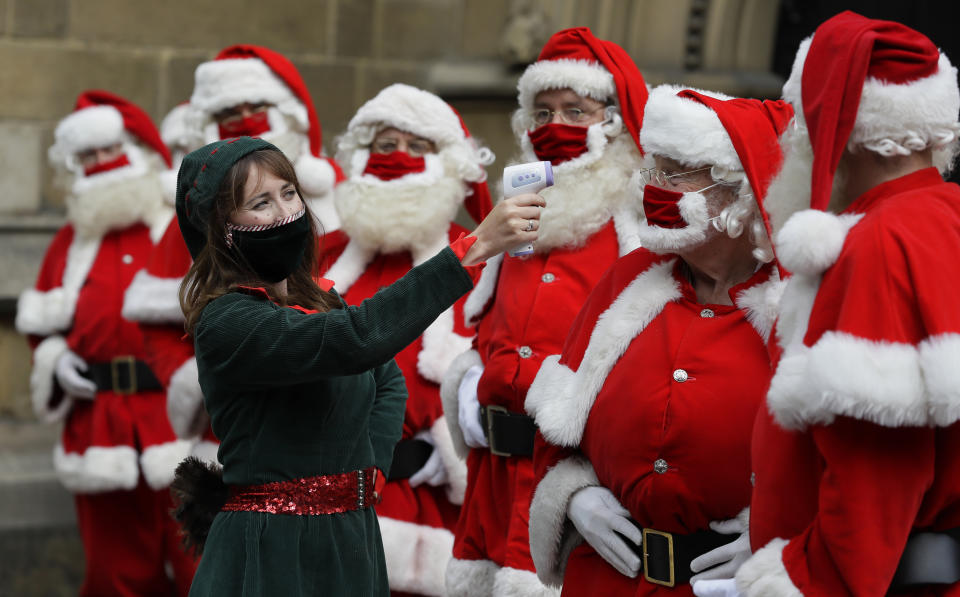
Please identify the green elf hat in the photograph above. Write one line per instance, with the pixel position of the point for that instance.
(199, 180)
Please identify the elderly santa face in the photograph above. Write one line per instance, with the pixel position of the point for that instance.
(90, 159)
(564, 106)
(243, 119)
(391, 139)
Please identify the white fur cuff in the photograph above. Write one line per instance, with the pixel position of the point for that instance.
(764, 575)
(44, 313)
(43, 382)
(98, 469)
(159, 462)
(552, 536)
(417, 556)
(185, 401)
(449, 394)
(455, 466)
(470, 578)
(512, 582)
(150, 299)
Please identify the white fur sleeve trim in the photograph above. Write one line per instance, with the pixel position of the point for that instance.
(450, 395)
(185, 409)
(562, 399)
(940, 364)
(43, 381)
(483, 292)
(761, 304)
(552, 536)
(455, 466)
(151, 299)
(97, 470)
(470, 578)
(441, 345)
(44, 313)
(764, 574)
(416, 555)
(158, 462)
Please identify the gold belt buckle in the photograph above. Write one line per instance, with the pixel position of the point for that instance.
(646, 569)
(131, 364)
(490, 412)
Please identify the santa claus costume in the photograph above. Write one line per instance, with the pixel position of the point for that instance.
(654, 394)
(398, 211)
(239, 74)
(525, 305)
(117, 452)
(857, 453)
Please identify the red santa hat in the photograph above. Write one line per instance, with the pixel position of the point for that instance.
(101, 119)
(246, 73)
(860, 81)
(700, 128)
(424, 114)
(575, 59)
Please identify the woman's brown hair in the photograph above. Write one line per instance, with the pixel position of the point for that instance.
(220, 269)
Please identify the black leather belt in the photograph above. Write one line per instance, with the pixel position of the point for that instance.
(507, 433)
(409, 456)
(929, 558)
(123, 375)
(665, 557)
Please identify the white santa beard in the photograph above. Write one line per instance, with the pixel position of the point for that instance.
(408, 213)
(585, 196)
(115, 204)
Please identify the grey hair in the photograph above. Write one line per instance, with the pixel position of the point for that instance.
(743, 213)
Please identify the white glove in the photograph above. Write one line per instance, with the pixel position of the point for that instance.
(469, 410)
(432, 472)
(724, 561)
(67, 370)
(726, 587)
(598, 515)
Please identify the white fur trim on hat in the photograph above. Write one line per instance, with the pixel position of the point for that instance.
(470, 578)
(764, 574)
(185, 409)
(315, 175)
(685, 130)
(98, 469)
(158, 462)
(231, 81)
(151, 299)
(43, 384)
(416, 555)
(450, 396)
(552, 536)
(87, 128)
(411, 110)
(811, 240)
(586, 78)
(914, 115)
(513, 582)
(559, 398)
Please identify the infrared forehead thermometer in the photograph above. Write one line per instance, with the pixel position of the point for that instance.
(532, 177)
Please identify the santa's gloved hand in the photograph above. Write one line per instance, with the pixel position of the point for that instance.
(432, 472)
(723, 562)
(469, 412)
(74, 384)
(726, 587)
(599, 517)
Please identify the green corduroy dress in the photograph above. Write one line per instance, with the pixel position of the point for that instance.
(296, 395)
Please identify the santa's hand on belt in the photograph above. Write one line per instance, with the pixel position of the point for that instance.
(603, 522)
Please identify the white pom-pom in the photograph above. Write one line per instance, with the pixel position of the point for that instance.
(810, 241)
(316, 175)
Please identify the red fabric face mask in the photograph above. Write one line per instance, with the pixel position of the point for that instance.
(113, 164)
(662, 207)
(249, 126)
(388, 166)
(558, 143)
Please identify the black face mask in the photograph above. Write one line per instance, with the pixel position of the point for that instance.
(273, 252)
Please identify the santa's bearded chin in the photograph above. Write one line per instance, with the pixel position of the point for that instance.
(114, 204)
(408, 213)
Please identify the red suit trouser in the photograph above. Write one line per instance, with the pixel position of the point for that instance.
(129, 540)
(495, 514)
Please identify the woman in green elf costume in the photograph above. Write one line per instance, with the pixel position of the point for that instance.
(302, 391)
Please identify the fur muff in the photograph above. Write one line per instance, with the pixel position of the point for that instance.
(199, 493)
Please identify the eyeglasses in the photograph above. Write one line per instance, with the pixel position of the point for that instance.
(568, 115)
(415, 148)
(658, 177)
(237, 113)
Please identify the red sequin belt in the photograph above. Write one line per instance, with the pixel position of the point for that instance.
(325, 494)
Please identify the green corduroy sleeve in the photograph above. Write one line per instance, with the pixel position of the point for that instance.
(252, 343)
(386, 417)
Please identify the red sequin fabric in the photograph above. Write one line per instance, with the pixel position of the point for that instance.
(309, 496)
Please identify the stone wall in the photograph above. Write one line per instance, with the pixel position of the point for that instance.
(469, 51)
